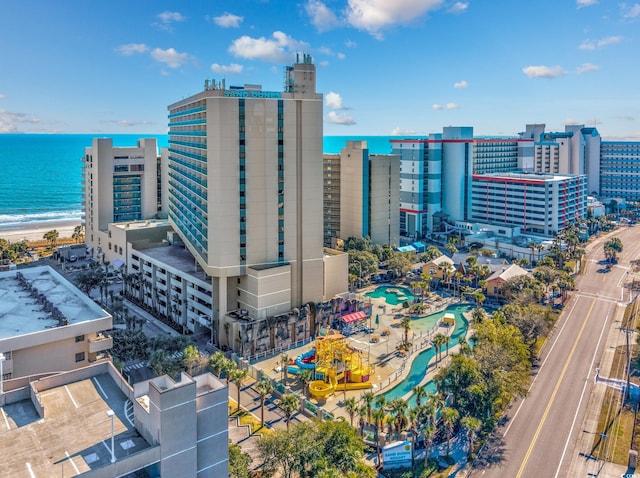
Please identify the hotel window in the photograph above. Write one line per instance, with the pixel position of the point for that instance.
(80, 357)
(79, 338)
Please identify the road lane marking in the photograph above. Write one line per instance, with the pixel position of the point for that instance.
(568, 316)
(584, 389)
(72, 463)
(100, 387)
(30, 470)
(4, 415)
(555, 392)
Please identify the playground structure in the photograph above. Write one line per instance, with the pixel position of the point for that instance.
(337, 366)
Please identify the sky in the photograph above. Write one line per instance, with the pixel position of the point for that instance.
(385, 67)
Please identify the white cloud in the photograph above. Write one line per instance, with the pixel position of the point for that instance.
(436, 106)
(232, 69)
(542, 71)
(2, 97)
(170, 17)
(375, 15)
(587, 67)
(169, 57)
(127, 123)
(9, 121)
(228, 20)
(323, 64)
(279, 49)
(397, 132)
(452, 106)
(333, 101)
(592, 45)
(341, 56)
(132, 48)
(341, 118)
(630, 11)
(321, 16)
(461, 84)
(585, 3)
(459, 7)
(350, 44)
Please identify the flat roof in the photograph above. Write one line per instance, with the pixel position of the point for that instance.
(177, 257)
(76, 429)
(23, 305)
(147, 224)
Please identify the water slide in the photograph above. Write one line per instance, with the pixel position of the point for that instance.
(306, 365)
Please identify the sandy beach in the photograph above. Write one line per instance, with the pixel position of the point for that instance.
(35, 231)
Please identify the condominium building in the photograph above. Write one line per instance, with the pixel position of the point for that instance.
(538, 203)
(245, 191)
(90, 422)
(47, 324)
(120, 185)
(361, 196)
(619, 170)
(436, 173)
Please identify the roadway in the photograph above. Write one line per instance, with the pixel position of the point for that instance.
(537, 435)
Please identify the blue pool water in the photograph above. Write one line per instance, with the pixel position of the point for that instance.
(419, 365)
(392, 294)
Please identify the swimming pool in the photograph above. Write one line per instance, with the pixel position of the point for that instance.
(393, 295)
(419, 365)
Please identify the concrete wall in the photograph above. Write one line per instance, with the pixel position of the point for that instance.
(336, 273)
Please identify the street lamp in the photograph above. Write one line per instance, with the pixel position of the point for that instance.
(111, 415)
(2, 359)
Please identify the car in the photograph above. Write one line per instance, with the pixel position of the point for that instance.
(73, 258)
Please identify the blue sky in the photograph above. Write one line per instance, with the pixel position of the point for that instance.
(385, 66)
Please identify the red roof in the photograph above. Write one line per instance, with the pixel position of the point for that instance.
(355, 316)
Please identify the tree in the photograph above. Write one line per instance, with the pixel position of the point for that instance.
(289, 403)
(351, 407)
(78, 234)
(419, 392)
(304, 377)
(368, 398)
(162, 363)
(239, 462)
(264, 389)
(449, 417)
(438, 341)
(378, 416)
(455, 379)
(237, 377)
(400, 262)
(398, 407)
(284, 360)
(215, 362)
(532, 320)
(406, 327)
(52, 237)
(472, 426)
(191, 358)
(226, 367)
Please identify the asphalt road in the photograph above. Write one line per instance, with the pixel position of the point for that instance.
(538, 434)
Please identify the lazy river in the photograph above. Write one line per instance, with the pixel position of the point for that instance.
(419, 365)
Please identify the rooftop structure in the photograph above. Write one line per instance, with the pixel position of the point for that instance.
(47, 324)
(162, 427)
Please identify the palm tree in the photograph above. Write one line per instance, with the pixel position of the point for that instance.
(438, 341)
(428, 431)
(368, 398)
(449, 418)
(237, 377)
(78, 233)
(52, 237)
(304, 377)
(190, 358)
(447, 339)
(215, 362)
(227, 367)
(351, 407)
(472, 426)
(284, 359)
(264, 389)
(289, 403)
(419, 392)
(379, 416)
(406, 326)
(398, 407)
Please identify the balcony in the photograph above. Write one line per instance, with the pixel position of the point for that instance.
(100, 344)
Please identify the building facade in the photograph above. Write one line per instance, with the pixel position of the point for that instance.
(120, 185)
(361, 196)
(619, 170)
(538, 203)
(245, 190)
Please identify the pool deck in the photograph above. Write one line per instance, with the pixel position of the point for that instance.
(390, 367)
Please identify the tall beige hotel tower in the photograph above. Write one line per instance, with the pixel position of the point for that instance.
(245, 191)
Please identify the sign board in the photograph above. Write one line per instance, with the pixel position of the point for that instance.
(396, 455)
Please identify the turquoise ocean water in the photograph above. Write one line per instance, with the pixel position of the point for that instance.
(40, 174)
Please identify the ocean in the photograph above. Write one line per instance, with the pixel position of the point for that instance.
(41, 174)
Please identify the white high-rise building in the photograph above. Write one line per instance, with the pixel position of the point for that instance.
(245, 191)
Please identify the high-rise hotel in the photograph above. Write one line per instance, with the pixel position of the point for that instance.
(245, 191)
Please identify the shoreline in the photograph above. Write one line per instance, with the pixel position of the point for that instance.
(34, 231)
